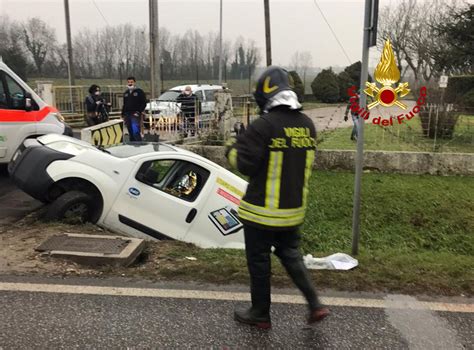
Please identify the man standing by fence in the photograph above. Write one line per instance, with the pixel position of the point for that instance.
(134, 103)
(190, 106)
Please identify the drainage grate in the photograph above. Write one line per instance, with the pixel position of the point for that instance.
(83, 244)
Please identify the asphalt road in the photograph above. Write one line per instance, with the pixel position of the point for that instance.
(111, 316)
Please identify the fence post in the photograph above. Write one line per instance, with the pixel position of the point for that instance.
(436, 129)
(429, 121)
(248, 112)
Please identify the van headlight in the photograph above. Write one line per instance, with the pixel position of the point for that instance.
(59, 117)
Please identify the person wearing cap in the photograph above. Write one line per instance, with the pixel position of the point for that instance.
(276, 152)
(189, 107)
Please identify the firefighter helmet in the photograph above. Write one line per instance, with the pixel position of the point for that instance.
(273, 80)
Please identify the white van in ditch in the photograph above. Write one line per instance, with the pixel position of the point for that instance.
(23, 114)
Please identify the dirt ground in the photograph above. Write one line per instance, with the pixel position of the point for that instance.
(18, 241)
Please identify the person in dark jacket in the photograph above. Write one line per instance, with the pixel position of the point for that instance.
(190, 106)
(276, 152)
(96, 107)
(134, 103)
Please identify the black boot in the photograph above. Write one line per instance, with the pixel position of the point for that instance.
(259, 314)
(300, 276)
(253, 317)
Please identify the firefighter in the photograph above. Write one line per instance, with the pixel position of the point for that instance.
(276, 152)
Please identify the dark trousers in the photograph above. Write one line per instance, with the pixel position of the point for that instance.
(258, 244)
(190, 124)
(133, 126)
(91, 119)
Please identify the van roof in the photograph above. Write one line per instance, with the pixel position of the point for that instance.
(195, 87)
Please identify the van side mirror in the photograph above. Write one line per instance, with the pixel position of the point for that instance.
(28, 102)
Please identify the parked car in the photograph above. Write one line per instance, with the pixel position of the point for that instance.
(23, 114)
(166, 105)
(146, 190)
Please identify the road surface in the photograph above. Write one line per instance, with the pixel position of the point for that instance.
(42, 313)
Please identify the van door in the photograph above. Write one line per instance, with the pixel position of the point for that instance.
(161, 199)
(16, 123)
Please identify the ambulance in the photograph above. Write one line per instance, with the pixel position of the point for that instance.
(23, 114)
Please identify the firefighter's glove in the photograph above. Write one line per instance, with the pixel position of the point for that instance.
(345, 118)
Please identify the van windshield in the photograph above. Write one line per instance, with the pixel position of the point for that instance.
(169, 95)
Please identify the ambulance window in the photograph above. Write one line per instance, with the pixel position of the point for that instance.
(16, 94)
(3, 97)
(181, 179)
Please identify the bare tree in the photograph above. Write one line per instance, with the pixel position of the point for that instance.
(295, 61)
(306, 62)
(411, 29)
(39, 39)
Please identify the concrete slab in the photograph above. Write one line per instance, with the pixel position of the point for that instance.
(93, 250)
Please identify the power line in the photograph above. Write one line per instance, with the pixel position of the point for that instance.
(332, 31)
(98, 9)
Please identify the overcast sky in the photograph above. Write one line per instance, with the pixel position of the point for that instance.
(296, 25)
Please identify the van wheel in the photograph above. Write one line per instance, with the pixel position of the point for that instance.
(73, 207)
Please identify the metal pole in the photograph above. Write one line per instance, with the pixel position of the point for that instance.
(220, 44)
(154, 49)
(70, 64)
(250, 78)
(268, 41)
(360, 135)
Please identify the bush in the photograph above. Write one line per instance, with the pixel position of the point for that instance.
(297, 84)
(345, 82)
(467, 100)
(325, 86)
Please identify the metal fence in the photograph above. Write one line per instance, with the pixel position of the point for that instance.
(436, 128)
(70, 99)
(165, 118)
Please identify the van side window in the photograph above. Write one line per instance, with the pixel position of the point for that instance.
(209, 95)
(178, 178)
(15, 94)
(199, 95)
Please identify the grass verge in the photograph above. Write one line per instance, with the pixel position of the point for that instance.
(416, 238)
(403, 137)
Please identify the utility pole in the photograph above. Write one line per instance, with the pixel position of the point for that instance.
(268, 41)
(154, 50)
(70, 62)
(369, 39)
(220, 44)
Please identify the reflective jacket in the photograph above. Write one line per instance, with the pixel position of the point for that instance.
(277, 153)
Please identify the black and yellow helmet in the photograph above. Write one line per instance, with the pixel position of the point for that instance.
(273, 80)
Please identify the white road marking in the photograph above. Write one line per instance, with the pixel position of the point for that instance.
(421, 329)
(220, 295)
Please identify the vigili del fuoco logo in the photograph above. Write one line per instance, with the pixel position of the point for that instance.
(387, 74)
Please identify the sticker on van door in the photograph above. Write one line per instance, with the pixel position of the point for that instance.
(226, 220)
